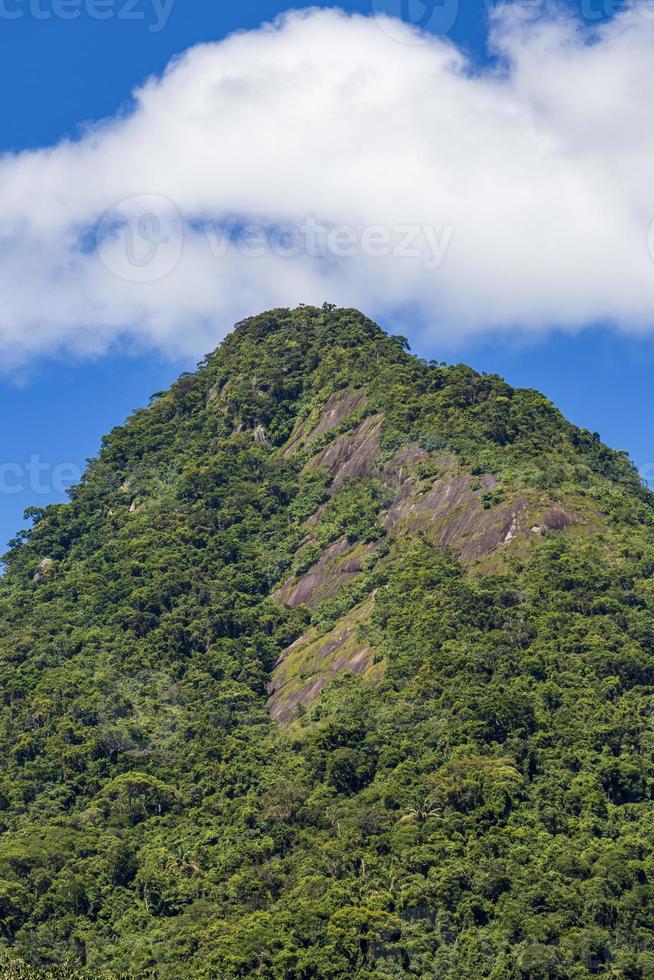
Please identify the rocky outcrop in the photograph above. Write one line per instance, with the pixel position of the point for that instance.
(432, 495)
(558, 519)
(455, 512)
(311, 662)
(259, 436)
(352, 455)
(340, 562)
(338, 407)
(44, 568)
(219, 395)
(398, 471)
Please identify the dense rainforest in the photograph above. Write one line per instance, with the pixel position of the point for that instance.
(337, 663)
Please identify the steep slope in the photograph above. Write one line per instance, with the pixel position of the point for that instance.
(337, 663)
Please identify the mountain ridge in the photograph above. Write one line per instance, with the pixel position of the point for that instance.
(322, 640)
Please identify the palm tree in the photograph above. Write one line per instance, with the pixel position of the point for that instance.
(421, 812)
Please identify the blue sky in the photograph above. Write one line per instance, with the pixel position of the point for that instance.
(65, 73)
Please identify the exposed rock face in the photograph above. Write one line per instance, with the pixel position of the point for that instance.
(452, 513)
(354, 454)
(339, 406)
(398, 470)
(558, 520)
(339, 563)
(219, 395)
(259, 435)
(454, 509)
(310, 662)
(46, 565)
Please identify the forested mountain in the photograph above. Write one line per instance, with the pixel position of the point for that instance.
(336, 664)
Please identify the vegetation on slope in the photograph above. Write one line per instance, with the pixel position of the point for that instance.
(483, 809)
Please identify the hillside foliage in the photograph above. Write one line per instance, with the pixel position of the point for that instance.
(483, 810)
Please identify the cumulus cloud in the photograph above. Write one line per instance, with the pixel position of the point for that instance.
(323, 158)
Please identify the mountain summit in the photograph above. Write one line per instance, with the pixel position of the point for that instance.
(338, 663)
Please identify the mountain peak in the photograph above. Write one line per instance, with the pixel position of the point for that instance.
(327, 633)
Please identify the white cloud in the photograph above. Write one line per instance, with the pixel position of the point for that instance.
(528, 188)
